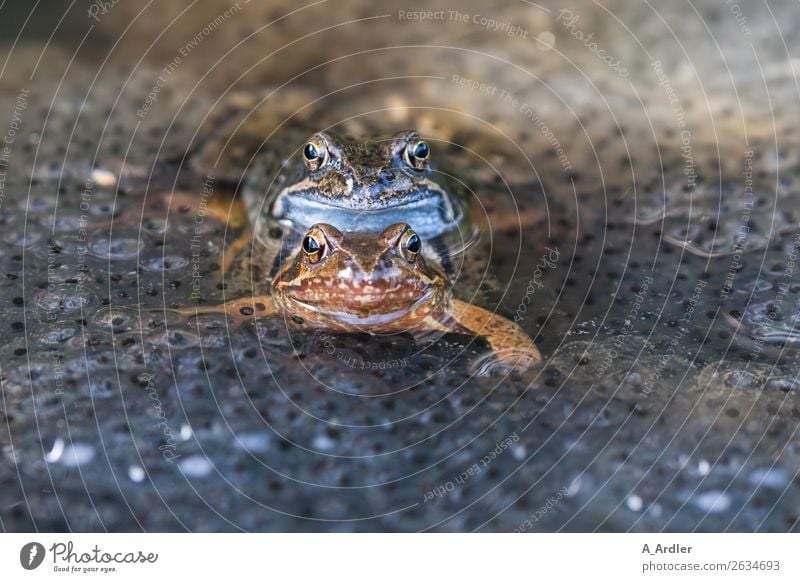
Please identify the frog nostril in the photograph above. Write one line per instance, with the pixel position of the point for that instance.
(389, 176)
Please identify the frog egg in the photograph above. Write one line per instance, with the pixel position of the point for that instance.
(78, 454)
(72, 455)
(164, 263)
(103, 178)
(713, 501)
(63, 298)
(118, 247)
(136, 473)
(195, 466)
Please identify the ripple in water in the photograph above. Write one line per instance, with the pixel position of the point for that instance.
(164, 263)
(775, 324)
(62, 298)
(118, 247)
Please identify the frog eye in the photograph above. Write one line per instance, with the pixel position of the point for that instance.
(410, 245)
(313, 247)
(315, 155)
(416, 154)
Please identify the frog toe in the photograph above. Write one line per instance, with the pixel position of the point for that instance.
(507, 360)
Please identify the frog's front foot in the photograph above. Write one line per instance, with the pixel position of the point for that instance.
(506, 360)
(512, 349)
(240, 310)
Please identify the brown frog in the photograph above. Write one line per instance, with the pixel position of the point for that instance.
(377, 283)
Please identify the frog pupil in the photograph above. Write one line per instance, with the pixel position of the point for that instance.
(310, 245)
(414, 245)
(421, 150)
(311, 152)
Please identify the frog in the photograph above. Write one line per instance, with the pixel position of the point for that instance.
(292, 171)
(295, 158)
(361, 184)
(377, 283)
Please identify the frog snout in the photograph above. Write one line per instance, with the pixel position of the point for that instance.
(388, 176)
(365, 175)
(368, 177)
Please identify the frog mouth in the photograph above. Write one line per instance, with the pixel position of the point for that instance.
(364, 309)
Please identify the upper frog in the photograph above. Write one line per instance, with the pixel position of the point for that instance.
(359, 185)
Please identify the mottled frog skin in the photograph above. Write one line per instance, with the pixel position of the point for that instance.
(358, 185)
(376, 283)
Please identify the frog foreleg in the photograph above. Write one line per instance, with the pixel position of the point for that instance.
(241, 310)
(511, 346)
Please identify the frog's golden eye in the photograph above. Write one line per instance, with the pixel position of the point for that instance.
(313, 247)
(315, 155)
(416, 154)
(410, 245)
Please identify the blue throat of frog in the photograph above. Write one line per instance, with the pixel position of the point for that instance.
(429, 217)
